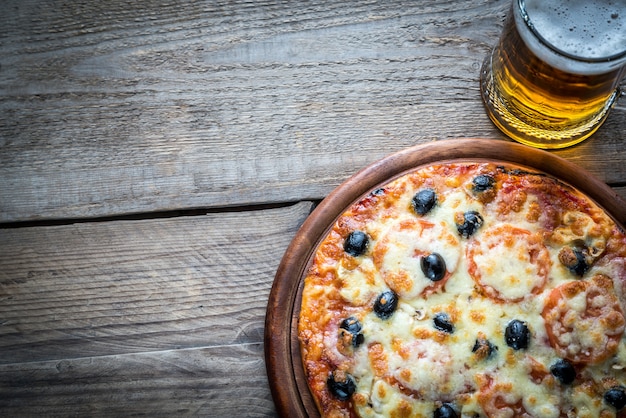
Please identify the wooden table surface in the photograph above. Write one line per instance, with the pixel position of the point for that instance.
(158, 156)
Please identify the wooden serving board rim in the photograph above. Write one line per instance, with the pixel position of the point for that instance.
(282, 352)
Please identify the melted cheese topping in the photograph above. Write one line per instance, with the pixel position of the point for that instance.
(446, 341)
(509, 262)
(399, 252)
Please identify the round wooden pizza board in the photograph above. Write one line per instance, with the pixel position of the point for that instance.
(282, 351)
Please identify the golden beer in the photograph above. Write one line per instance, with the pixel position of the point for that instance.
(553, 77)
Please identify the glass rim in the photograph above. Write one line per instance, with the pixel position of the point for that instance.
(589, 60)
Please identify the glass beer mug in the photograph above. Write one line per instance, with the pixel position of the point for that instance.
(555, 73)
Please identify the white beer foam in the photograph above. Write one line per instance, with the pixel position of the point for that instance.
(587, 30)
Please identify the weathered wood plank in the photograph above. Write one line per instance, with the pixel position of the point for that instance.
(107, 110)
(93, 289)
(227, 381)
(621, 191)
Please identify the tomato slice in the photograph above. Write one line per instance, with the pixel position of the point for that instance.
(508, 263)
(399, 252)
(497, 400)
(584, 320)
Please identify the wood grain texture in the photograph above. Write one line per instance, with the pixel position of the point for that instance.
(100, 289)
(225, 381)
(107, 109)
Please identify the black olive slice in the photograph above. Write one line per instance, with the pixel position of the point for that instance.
(482, 183)
(354, 327)
(356, 243)
(470, 222)
(342, 389)
(616, 397)
(424, 201)
(386, 304)
(483, 348)
(563, 371)
(442, 322)
(574, 259)
(433, 266)
(445, 411)
(581, 266)
(517, 335)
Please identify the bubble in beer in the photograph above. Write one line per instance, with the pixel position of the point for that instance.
(586, 29)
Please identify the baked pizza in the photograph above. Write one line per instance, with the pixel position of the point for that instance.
(468, 289)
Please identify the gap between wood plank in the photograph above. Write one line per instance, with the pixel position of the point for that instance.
(179, 213)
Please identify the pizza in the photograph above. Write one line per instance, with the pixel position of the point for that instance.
(467, 289)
